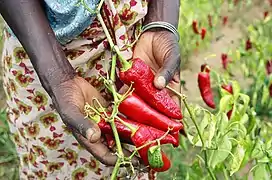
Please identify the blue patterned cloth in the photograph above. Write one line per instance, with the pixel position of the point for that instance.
(68, 20)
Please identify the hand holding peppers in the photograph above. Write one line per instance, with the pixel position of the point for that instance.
(160, 51)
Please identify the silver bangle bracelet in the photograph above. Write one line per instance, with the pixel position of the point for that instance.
(161, 24)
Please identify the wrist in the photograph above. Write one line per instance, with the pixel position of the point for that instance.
(51, 77)
(162, 10)
(161, 26)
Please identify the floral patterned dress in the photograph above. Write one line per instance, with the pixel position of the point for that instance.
(46, 148)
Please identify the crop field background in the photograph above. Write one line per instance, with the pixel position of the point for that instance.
(227, 24)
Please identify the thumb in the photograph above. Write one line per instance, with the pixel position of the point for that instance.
(171, 64)
(73, 117)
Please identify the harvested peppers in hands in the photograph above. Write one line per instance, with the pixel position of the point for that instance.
(143, 137)
(142, 77)
(137, 110)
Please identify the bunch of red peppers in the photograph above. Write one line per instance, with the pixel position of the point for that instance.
(152, 117)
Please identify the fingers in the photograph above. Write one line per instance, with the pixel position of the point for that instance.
(97, 149)
(170, 66)
(73, 117)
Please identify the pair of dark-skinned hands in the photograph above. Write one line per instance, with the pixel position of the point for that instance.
(158, 48)
(162, 55)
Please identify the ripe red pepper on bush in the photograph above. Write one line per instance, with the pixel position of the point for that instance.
(224, 58)
(203, 33)
(137, 110)
(248, 45)
(225, 20)
(269, 71)
(204, 84)
(228, 88)
(142, 77)
(139, 135)
(195, 27)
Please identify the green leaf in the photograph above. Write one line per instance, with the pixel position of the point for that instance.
(155, 157)
(236, 161)
(261, 172)
(225, 103)
(223, 151)
(236, 89)
(245, 99)
(265, 95)
(222, 122)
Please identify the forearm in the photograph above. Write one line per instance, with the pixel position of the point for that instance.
(27, 20)
(163, 10)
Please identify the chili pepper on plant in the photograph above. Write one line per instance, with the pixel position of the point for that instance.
(204, 84)
(225, 20)
(228, 88)
(203, 33)
(224, 58)
(269, 67)
(248, 44)
(195, 27)
(140, 75)
(269, 71)
(265, 14)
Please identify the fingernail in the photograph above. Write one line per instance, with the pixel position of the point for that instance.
(92, 136)
(161, 82)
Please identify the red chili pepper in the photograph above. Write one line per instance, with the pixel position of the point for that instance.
(225, 20)
(248, 44)
(195, 28)
(210, 21)
(229, 113)
(235, 2)
(205, 68)
(224, 58)
(269, 71)
(265, 14)
(110, 140)
(139, 135)
(176, 136)
(229, 89)
(270, 90)
(142, 77)
(137, 110)
(204, 85)
(203, 33)
(269, 67)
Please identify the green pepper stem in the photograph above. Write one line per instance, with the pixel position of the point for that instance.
(150, 142)
(125, 65)
(133, 129)
(183, 98)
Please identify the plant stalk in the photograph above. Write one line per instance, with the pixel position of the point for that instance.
(183, 98)
(125, 64)
(112, 78)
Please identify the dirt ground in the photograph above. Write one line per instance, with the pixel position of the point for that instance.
(230, 38)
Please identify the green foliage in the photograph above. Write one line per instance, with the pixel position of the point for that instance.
(239, 147)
